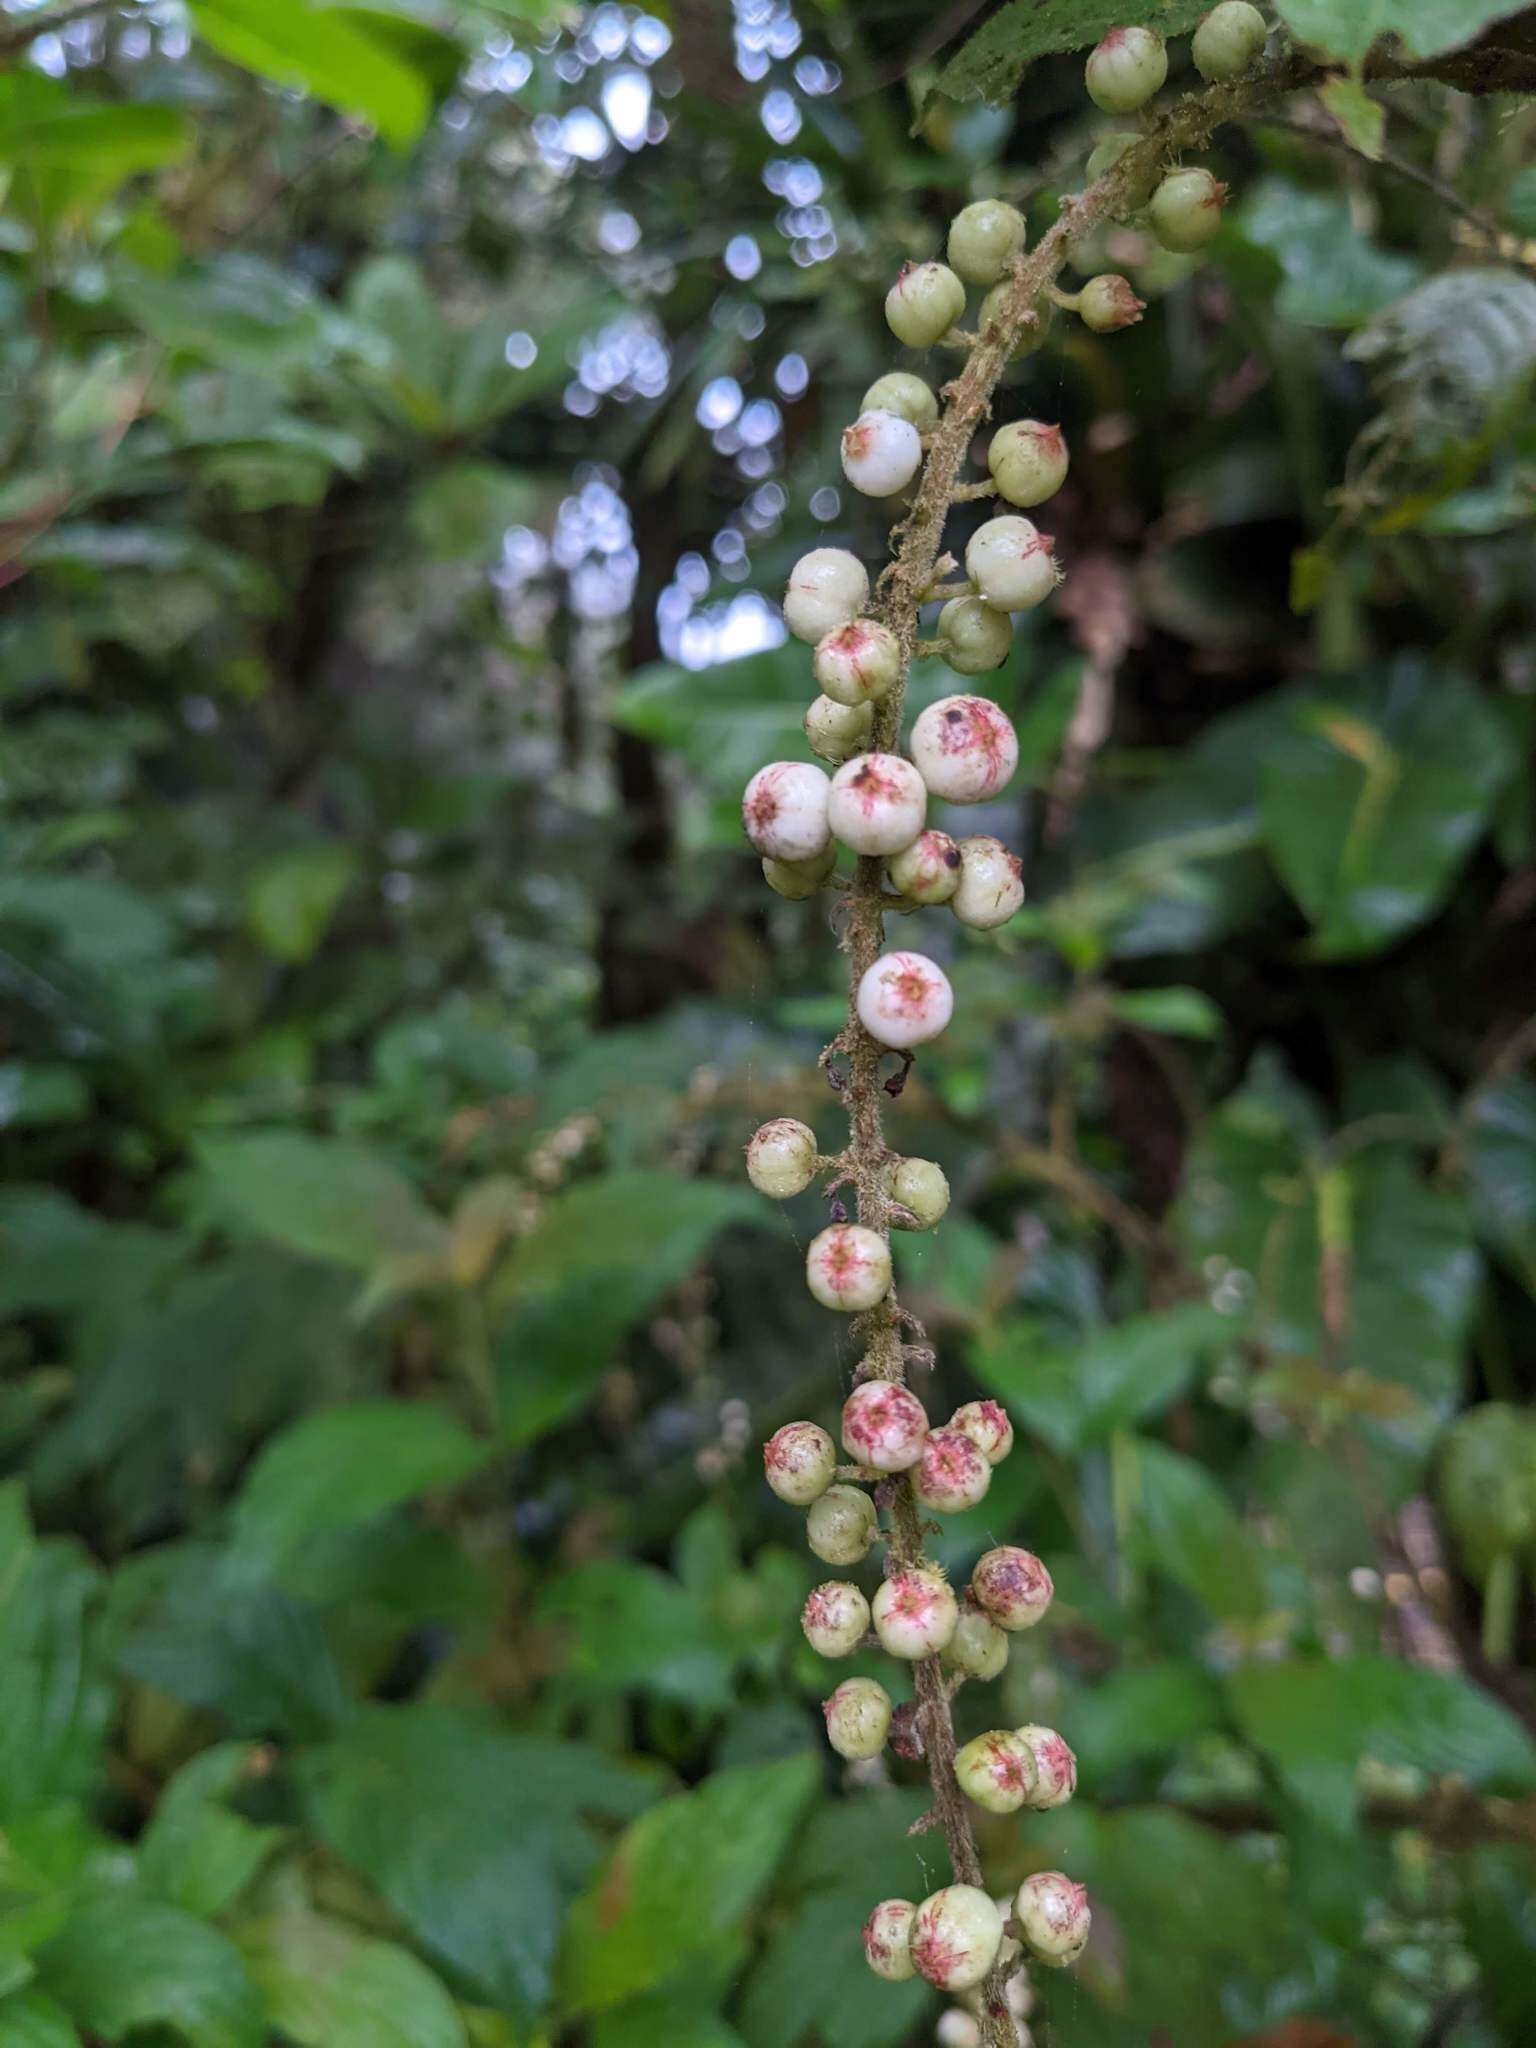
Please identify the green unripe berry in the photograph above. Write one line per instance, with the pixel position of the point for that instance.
(976, 638)
(798, 880)
(1029, 337)
(835, 1619)
(927, 871)
(858, 1718)
(1028, 460)
(919, 1186)
(1228, 40)
(984, 239)
(978, 1646)
(997, 1770)
(837, 732)
(924, 303)
(798, 1462)
(898, 391)
(841, 1525)
(1052, 1914)
(1185, 210)
(781, 1157)
(956, 1937)
(1107, 302)
(1125, 69)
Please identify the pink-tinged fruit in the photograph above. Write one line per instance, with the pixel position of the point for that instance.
(915, 1613)
(848, 1267)
(1012, 1586)
(835, 1619)
(952, 1475)
(888, 1940)
(924, 303)
(904, 1000)
(881, 453)
(784, 810)
(1055, 1767)
(965, 749)
(956, 1936)
(858, 664)
(1053, 1916)
(986, 1424)
(1106, 302)
(1012, 563)
(884, 1426)
(927, 871)
(781, 1157)
(991, 884)
(798, 1462)
(1185, 210)
(876, 804)
(997, 1770)
(1125, 69)
(1028, 460)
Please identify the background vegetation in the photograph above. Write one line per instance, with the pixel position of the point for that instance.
(398, 1648)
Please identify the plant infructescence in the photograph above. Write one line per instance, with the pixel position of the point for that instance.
(908, 446)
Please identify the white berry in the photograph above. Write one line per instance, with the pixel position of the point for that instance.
(1125, 69)
(1028, 460)
(888, 1940)
(858, 664)
(978, 1646)
(1012, 563)
(883, 1426)
(904, 1000)
(784, 810)
(838, 731)
(826, 589)
(951, 1475)
(1055, 1767)
(781, 1157)
(984, 238)
(1185, 210)
(1228, 40)
(975, 637)
(919, 1186)
(1012, 1586)
(914, 1614)
(898, 391)
(877, 803)
(986, 1424)
(858, 1718)
(881, 453)
(835, 1619)
(927, 871)
(1053, 1916)
(965, 749)
(956, 1937)
(924, 303)
(848, 1267)
(798, 1462)
(798, 879)
(991, 884)
(997, 1770)
(841, 1525)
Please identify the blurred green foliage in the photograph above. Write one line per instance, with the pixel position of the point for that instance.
(397, 1647)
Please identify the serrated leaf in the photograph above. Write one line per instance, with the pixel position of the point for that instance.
(1346, 29)
(1451, 361)
(325, 1197)
(127, 1962)
(630, 1627)
(325, 1985)
(991, 63)
(1185, 1526)
(1331, 274)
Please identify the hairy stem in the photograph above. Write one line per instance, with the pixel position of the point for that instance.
(903, 588)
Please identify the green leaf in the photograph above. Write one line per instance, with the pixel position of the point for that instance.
(1172, 1012)
(1121, 1375)
(32, 1094)
(1499, 1151)
(31, 2019)
(1362, 120)
(326, 1986)
(56, 1704)
(682, 1881)
(812, 1984)
(463, 512)
(1452, 363)
(196, 1853)
(1140, 1713)
(345, 1465)
(1332, 276)
(1495, 1910)
(991, 62)
(1317, 1721)
(1346, 29)
(70, 152)
(292, 898)
(477, 1838)
(318, 50)
(1373, 797)
(127, 1962)
(1185, 1526)
(631, 1627)
(675, 2020)
(1488, 1483)
(327, 1198)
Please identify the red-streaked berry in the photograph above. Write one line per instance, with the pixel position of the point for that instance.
(859, 663)
(904, 1000)
(1053, 1916)
(888, 1940)
(919, 1186)
(858, 1718)
(1028, 460)
(991, 884)
(898, 391)
(1125, 69)
(986, 1424)
(924, 303)
(848, 1267)
(1012, 1586)
(915, 1613)
(841, 1525)
(928, 871)
(883, 1426)
(835, 1619)
(997, 1770)
(965, 749)
(798, 1462)
(978, 1646)
(827, 588)
(984, 238)
(1228, 40)
(881, 453)
(1185, 210)
(973, 636)
(876, 804)
(1012, 563)
(781, 1157)
(784, 810)
(1107, 302)
(956, 1936)
(951, 1475)
(1055, 1767)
